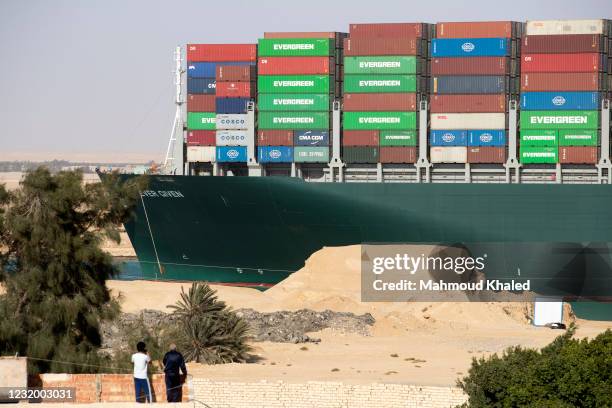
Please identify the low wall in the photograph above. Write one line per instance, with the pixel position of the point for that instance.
(118, 388)
(13, 372)
(279, 394)
(103, 387)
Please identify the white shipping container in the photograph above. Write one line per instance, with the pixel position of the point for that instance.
(556, 27)
(454, 154)
(468, 121)
(231, 137)
(202, 154)
(232, 121)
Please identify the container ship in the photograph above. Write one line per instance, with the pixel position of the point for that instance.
(479, 133)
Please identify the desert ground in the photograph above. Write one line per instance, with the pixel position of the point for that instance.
(414, 343)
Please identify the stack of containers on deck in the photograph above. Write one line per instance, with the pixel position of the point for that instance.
(235, 89)
(296, 85)
(563, 70)
(473, 69)
(384, 70)
(203, 66)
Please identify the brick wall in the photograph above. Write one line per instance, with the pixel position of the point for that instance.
(279, 394)
(91, 388)
(103, 387)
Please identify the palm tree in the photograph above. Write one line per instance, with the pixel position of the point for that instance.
(208, 331)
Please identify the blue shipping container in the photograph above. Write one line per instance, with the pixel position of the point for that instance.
(208, 69)
(311, 138)
(560, 100)
(491, 138)
(469, 47)
(448, 138)
(275, 154)
(231, 154)
(231, 105)
(206, 86)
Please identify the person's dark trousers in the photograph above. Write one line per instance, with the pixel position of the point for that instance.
(141, 385)
(174, 391)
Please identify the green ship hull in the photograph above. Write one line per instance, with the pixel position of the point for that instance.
(255, 231)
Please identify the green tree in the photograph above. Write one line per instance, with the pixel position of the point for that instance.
(53, 269)
(208, 331)
(566, 373)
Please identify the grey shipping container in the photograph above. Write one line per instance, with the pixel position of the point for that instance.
(477, 84)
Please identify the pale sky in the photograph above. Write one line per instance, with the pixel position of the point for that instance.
(92, 80)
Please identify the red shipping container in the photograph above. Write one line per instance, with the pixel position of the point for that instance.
(559, 44)
(275, 138)
(360, 138)
(386, 30)
(201, 103)
(486, 154)
(235, 73)
(302, 34)
(235, 90)
(378, 46)
(294, 65)
(379, 102)
(201, 138)
(479, 29)
(469, 66)
(578, 154)
(221, 52)
(478, 103)
(560, 62)
(398, 154)
(534, 82)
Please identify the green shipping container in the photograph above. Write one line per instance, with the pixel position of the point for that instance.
(294, 102)
(201, 120)
(379, 83)
(398, 138)
(315, 154)
(360, 154)
(577, 137)
(293, 84)
(545, 137)
(531, 154)
(379, 120)
(294, 120)
(559, 119)
(380, 65)
(295, 47)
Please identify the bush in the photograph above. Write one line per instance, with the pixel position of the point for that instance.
(566, 373)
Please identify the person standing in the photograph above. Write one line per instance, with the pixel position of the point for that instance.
(141, 360)
(173, 363)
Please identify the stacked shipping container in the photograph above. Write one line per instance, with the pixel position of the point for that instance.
(207, 64)
(384, 69)
(472, 73)
(297, 84)
(563, 70)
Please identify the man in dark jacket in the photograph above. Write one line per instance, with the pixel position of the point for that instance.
(173, 362)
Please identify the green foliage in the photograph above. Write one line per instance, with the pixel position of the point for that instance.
(207, 331)
(566, 373)
(53, 269)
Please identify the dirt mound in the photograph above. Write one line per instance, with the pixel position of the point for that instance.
(331, 279)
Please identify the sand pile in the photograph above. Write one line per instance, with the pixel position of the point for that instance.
(331, 279)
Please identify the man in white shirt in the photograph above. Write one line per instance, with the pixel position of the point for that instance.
(141, 360)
